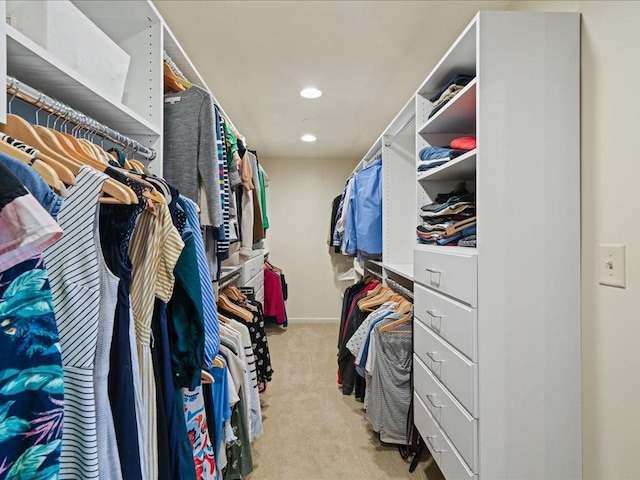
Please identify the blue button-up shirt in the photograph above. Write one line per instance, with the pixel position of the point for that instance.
(363, 229)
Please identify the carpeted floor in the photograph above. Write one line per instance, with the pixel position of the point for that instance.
(311, 430)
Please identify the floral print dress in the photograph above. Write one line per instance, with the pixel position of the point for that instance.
(31, 377)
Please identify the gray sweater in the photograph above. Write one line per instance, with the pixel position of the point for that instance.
(190, 154)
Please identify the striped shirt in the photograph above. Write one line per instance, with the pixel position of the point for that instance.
(154, 251)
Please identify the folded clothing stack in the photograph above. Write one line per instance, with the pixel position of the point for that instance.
(431, 157)
(449, 91)
(451, 219)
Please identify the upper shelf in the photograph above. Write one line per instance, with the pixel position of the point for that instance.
(29, 62)
(461, 168)
(457, 116)
(460, 58)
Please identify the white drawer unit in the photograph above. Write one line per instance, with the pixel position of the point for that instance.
(456, 372)
(453, 321)
(445, 454)
(260, 295)
(455, 421)
(257, 282)
(452, 271)
(251, 267)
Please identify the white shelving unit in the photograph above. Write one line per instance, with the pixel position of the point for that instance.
(497, 328)
(136, 28)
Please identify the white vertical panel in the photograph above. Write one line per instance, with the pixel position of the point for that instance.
(3, 60)
(529, 245)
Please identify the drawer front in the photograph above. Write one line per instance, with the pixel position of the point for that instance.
(444, 453)
(257, 282)
(455, 372)
(452, 273)
(453, 321)
(252, 266)
(457, 424)
(260, 295)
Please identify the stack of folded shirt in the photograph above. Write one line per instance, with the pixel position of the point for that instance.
(449, 91)
(431, 157)
(450, 219)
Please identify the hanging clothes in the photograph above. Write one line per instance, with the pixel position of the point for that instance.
(29, 342)
(75, 287)
(155, 248)
(190, 148)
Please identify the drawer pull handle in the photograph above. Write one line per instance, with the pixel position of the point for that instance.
(431, 401)
(433, 270)
(433, 314)
(433, 449)
(431, 355)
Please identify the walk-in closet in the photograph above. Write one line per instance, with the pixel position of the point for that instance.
(277, 240)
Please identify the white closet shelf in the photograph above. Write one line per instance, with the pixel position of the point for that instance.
(461, 168)
(460, 58)
(445, 249)
(457, 116)
(29, 62)
(404, 270)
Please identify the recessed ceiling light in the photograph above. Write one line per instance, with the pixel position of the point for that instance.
(310, 92)
(308, 138)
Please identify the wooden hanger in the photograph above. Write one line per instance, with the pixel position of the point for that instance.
(222, 318)
(219, 363)
(173, 81)
(390, 326)
(206, 378)
(62, 172)
(228, 305)
(47, 173)
(20, 129)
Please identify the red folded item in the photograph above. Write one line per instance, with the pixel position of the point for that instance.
(463, 143)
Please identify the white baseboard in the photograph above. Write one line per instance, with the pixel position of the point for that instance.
(313, 320)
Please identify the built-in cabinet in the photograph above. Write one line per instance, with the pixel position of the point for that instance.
(497, 327)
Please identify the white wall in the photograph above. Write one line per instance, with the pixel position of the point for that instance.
(610, 169)
(299, 206)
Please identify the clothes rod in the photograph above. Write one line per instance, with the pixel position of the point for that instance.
(399, 289)
(400, 130)
(35, 97)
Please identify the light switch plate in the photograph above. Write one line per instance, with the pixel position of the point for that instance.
(611, 266)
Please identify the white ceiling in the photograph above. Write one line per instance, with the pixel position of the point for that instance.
(368, 58)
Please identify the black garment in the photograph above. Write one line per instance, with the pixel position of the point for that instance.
(116, 226)
(345, 357)
(335, 205)
(10, 187)
(285, 288)
(347, 299)
(259, 342)
(164, 448)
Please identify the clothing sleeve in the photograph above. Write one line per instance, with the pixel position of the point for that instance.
(208, 160)
(349, 243)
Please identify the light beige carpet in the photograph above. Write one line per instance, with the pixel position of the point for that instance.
(311, 430)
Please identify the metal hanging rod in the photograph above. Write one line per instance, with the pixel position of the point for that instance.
(44, 102)
(411, 119)
(172, 65)
(228, 281)
(399, 289)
